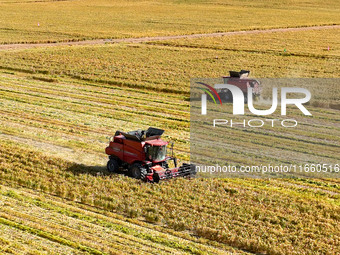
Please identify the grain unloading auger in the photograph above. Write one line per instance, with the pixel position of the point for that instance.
(143, 154)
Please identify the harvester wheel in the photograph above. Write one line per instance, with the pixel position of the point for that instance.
(137, 171)
(112, 166)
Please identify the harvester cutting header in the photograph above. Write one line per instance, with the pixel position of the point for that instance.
(144, 154)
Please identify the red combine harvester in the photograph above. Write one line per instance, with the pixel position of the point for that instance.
(241, 80)
(143, 153)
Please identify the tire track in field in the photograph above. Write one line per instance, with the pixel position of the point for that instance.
(17, 46)
(69, 154)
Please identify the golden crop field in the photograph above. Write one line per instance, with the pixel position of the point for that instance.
(312, 43)
(48, 21)
(59, 105)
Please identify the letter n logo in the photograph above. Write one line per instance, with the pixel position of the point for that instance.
(238, 98)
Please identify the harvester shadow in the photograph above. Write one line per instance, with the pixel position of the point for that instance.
(80, 169)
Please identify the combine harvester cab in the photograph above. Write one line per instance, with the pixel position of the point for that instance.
(240, 80)
(144, 154)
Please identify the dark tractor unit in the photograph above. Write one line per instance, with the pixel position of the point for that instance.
(240, 80)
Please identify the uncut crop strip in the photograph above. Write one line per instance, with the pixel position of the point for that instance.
(224, 222)
(124, 70)
(117, 65)
(311, 43)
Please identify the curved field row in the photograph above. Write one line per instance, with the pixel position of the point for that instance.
(227, 211)
(101, 234)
